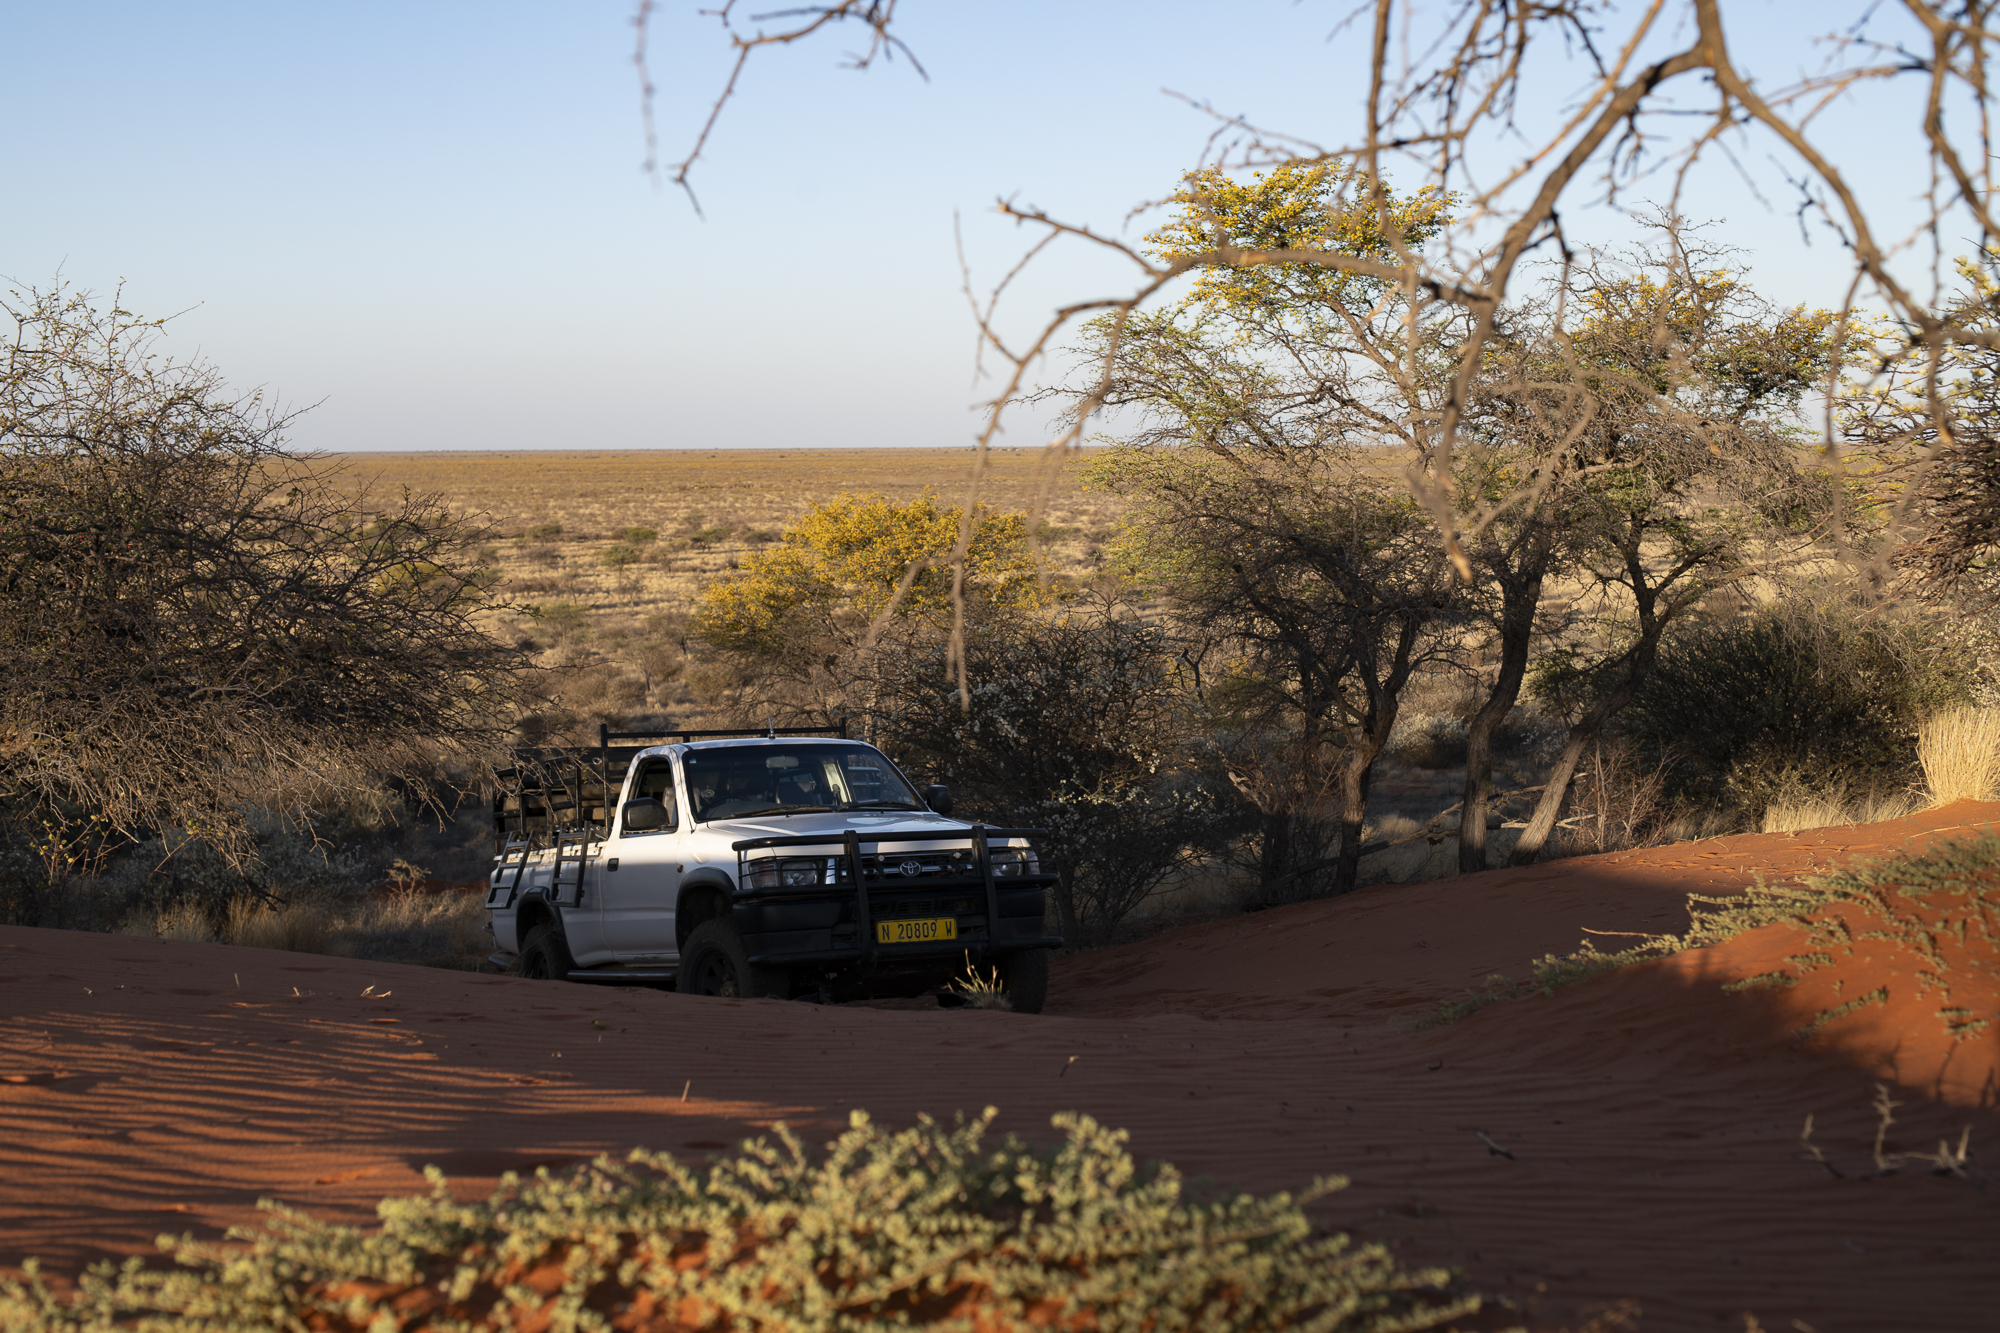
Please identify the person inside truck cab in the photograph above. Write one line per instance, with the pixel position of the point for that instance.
(798, 787)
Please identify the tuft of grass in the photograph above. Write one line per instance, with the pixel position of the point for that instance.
(1960, 754)
(1828, 811)
(184, 921)
(1548, 974)
(1951, 892)
(298, 927)
(980, 991)
(931, 1226)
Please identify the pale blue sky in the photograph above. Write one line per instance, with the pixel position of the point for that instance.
(429, 218)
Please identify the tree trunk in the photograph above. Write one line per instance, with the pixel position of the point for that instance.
(1520, 598)
(1274, 860)
(1072, 926)
(1543, 822)
(1353, 814)
(1365, 745)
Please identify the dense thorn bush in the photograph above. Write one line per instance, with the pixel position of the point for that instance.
(1819, 689)
(930, 1227)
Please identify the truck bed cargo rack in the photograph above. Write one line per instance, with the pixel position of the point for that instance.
(550, 791)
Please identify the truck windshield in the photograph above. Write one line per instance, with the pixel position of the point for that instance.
(737, 781)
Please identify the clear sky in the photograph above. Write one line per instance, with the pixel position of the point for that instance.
(429, 219)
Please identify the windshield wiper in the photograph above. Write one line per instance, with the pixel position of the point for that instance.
(778, 810)
(879, 805)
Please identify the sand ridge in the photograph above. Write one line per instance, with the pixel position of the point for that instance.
(1635, 1137)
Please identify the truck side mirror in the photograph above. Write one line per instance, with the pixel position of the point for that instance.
(938, 797)
(647, 815)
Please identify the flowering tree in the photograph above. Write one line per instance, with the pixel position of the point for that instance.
(802, 624)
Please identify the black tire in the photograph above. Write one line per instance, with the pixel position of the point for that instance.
(713, 962)
(1024, 977)
(545, 954)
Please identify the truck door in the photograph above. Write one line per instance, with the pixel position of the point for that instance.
(638, 896)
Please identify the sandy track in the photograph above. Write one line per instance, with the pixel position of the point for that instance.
(1652, 1118)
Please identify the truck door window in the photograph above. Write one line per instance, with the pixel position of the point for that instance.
(656, 780)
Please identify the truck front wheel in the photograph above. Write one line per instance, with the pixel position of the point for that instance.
(714, 963)
(1024, 978)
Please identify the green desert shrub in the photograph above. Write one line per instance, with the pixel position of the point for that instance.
(563, 618)
(1819, 687)
(922, 1228)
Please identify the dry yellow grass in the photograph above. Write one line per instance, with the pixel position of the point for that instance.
(710, 509)
(401, 927)
(297, 927)
(1960, 754)
(1829, 811)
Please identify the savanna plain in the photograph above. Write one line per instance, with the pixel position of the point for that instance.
(1745, 1081)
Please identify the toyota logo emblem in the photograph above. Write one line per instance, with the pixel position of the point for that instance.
(911, 868)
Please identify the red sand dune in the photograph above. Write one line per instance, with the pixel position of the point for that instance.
(1652, 1119)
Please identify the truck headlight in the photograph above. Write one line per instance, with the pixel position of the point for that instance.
(1013, 862)
(788, 874)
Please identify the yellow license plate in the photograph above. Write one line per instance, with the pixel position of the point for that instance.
(919, 930)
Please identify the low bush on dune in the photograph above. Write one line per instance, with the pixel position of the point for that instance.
(1819, 690)
(1950, 893)
(932, 1227)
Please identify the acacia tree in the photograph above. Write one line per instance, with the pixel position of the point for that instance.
(1319, 587)
(1644, 416)
(1602, 434)
(1666, 414)
(803, 625)
(1660, 88)
(198, 622)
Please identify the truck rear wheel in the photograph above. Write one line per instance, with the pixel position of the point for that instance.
(1024, 977)
(714, 963)
(545, 955)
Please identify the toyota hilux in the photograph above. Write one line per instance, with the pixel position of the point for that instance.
(760, 864)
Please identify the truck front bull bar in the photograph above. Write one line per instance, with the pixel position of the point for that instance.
(849, 841)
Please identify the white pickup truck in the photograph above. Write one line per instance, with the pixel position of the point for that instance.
(761, 864)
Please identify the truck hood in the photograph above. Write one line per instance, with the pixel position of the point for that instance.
(870, 824)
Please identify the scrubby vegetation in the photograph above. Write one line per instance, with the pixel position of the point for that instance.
(932, 1227)
(1263, 679)
(445, 928)
(1817, 693)
(1950, 893)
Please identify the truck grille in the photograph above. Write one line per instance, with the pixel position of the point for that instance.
(907, 867)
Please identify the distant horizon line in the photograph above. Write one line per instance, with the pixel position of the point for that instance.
(705, 448)
(744, 449)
